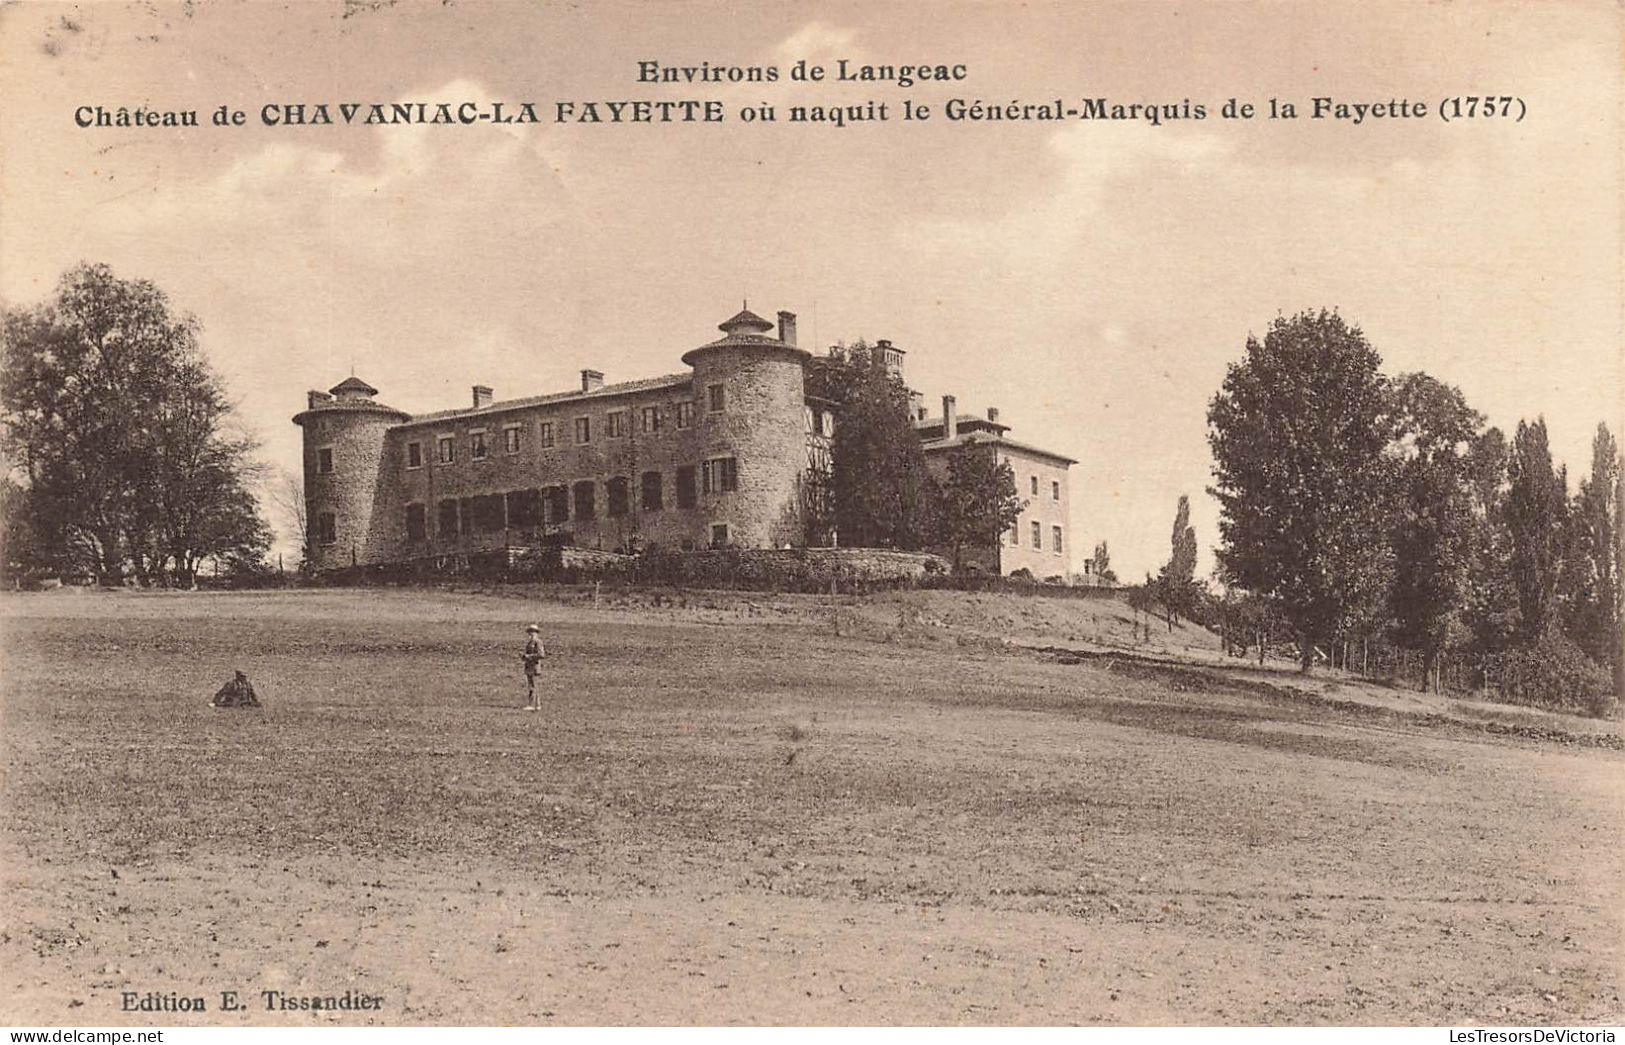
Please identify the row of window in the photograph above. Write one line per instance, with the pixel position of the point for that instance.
(1037, 531)
(549, 505)
(617, 423)
(1054, 488)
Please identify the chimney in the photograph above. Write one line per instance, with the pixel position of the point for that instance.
(916, 406)
(950, 423)
(591, 380)
(993, 414)
(787, 327)
(482, 396)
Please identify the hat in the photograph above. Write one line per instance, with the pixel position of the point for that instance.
(534, 627)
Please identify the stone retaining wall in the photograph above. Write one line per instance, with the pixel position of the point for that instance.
(789, 569)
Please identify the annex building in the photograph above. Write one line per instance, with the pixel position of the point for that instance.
(731, 451)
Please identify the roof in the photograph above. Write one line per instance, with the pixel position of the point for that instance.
(973, 438)
(745, 329)
(969, 421)
(745, 319)
(647, 384)
(350, 407)
(352, 384)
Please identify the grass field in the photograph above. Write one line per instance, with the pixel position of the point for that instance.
(763, 810)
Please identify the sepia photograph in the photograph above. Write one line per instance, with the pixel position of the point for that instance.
(612, 514)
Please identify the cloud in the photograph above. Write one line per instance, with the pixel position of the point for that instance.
(819, 43)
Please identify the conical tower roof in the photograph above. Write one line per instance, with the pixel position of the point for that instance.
(745, 322)
(352, 384)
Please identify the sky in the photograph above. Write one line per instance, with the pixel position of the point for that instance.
(1090, 278)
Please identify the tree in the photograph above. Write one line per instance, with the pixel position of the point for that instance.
(21, 552)
(1591, 570)
(1298, 433)
(287, 495)
(1177, 582)
(118, 423)
(978, 501)
(1536, 513)
(1433, 523)
(882, 492)
(1490, 611)
(1103, 564)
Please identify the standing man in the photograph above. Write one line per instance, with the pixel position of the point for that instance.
(534, 652)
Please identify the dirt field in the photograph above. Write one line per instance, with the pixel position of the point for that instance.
(755, 810)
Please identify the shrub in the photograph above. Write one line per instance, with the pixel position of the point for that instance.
(1552, 673)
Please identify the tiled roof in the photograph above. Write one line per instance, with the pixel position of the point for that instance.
(971, 438)
(745, 339)
(745, 319)
(960, 420)
(623, 388)
(352, 384)
(348, 406)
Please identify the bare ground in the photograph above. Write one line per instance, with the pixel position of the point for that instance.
(770, 810)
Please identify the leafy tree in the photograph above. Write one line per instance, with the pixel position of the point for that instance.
(1298, 433)
(21, 551)
(1536, 513)
(118, 425)
(1433, 524)
(1246, 620)
(882, 492)
(1591, 570)
(1103, 564)
(1141, 599)
(1177, 581)
(978, 501)
(1491, 607)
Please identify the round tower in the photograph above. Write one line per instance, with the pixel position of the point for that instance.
(344, 437)
(750, 392)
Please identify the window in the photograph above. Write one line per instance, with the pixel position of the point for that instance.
(544, 435)
(487, 513)
(1055, 490)
(616, 424)
(1035, 486)
(448, 518)
(652, 501)
(651, 420)
(324, 461)
(720, 475)
(417, 524)
(510, 439)
(327, 528)
(685, 486)
(555, 504)
(719, 535)
(414, 455)
(448, 449)
(1015, 536)
(685, 415)
(617, 492)
(583, 496)
(1055, 538)
(714, 400)
(583, 430)
(476, 444)
(1038, 536)
(525, 508)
